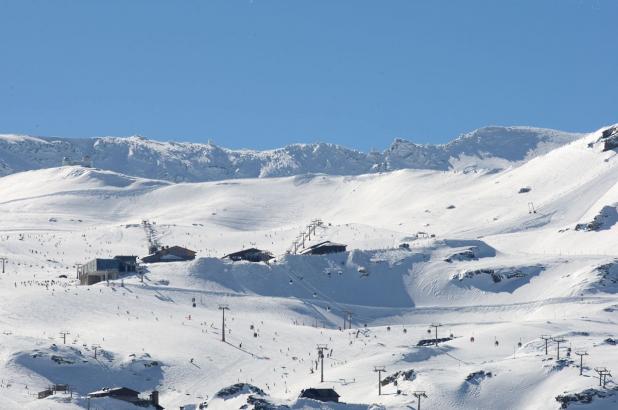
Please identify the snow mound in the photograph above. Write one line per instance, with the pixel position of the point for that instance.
(358, 277)
(77, 367)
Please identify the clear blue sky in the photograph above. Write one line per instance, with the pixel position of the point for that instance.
(262, 74)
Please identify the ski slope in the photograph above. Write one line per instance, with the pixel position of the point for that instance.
(479, 262)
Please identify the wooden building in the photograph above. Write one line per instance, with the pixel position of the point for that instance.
(251, 255)
(325, 395)
(170, 254)
(128, 395)
(121, 393)
(324, 248)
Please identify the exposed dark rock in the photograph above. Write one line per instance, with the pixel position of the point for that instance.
(604, 220)
(407, 375)
(499, 274)
(260, 403)
(583, 397)
(239, 388)
(477, 377)
(610, 138)
(61, 360)
(608, 273)
(429, 342)
(467, 255)
(561, 364)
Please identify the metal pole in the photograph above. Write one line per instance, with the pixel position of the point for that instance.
(321, 349)
(436, 326)
(418, 395)
(558, 351)
(600, 371)
(605, 378)
(558, 341)
(379, 370)
(349, 315)
(581, 355)
(223, 308)
(546, 338)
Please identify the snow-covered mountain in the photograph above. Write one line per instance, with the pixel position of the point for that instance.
(498, 261)
(487, 148)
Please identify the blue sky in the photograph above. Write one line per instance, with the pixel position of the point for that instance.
(262, 74)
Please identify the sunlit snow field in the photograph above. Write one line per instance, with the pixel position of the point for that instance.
(479, 263)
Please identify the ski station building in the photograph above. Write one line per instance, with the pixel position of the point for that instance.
(251, 255)
(99, 269)
(170, 254)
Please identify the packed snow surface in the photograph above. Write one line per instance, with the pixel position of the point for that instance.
(462, 247)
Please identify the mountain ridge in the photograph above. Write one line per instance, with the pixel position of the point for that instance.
(493, 147)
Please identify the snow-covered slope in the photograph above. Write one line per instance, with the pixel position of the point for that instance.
(487, 148)
(497, 258)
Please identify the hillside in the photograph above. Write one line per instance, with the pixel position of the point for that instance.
(486, 148)
(496, 258)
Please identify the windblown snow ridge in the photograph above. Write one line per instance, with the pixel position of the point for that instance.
(485, 148)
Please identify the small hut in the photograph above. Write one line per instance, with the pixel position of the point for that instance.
(325, 395)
